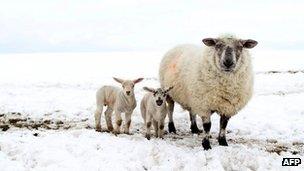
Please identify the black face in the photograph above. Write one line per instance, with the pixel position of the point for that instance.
(228, 52)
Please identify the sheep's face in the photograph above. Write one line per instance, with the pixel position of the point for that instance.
(128, 85)
(228, 52)
(159, 95)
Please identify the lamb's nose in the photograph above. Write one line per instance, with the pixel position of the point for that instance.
(128, 92)
(159, 102)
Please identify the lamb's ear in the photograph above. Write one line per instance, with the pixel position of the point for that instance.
(210, 41)
(118, 80)
(137, 80)
(249, 43)
(149, 89)
(168, 89)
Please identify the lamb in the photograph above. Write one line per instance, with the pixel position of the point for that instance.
(117, 100)
(154, 109)
(217, 78)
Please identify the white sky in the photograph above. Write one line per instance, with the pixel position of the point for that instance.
(137, 25)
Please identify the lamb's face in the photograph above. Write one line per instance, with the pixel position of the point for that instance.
(228, 51)
(128, 85)
(159, 95)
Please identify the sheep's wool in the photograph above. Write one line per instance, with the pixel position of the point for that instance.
(200, 86)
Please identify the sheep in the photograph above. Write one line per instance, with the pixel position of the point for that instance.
(154, 109)
(217, 78)
(117, 100)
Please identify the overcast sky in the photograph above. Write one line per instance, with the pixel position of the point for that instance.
(138, 25)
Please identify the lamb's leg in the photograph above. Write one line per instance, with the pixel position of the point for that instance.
(171, 126)
(127, 122)
(108, 116)
(148, 127)
(155, 126)
(207, 127)
(222, 134)
(193, 127)
(118, 122)
(97, 115)
(161, 128)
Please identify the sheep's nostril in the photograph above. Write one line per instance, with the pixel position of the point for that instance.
(128, 92)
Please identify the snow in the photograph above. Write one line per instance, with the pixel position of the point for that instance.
(62, 86)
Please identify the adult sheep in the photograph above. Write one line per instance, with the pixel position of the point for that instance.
(217, 78)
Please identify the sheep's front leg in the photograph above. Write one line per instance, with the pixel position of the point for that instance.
(207, 127)
(171, 126)
(193, 127)
(148, 127)
(108, 116)
(161, 128)
(155, 126)
(127, 122)
(118, 121)
(222, 134)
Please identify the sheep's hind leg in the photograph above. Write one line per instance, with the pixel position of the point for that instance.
(171, 126)
(193, 127)
(222, 134)
(207, 127)
(108, 116)
(98, 118)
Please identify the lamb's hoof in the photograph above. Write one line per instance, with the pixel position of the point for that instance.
(171, 127)
(127, 132)
(222, 141)
(206, 144)
(98, 129)
(148, 137)
(116, 132)
(110, 129)
(194, 129)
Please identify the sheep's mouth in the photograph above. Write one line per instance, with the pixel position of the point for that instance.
(159, 103)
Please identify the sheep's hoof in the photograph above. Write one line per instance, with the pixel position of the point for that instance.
(206, 144)
(194, 129)
(222, 141)
(148, 137)
(171, 127)
(98, 129)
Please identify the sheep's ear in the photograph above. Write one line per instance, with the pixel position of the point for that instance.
(149, 89)
(118, 80)
(249, 43)
(137, 80)
(210, 41)
(168, 89)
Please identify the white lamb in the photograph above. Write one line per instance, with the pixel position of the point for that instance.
(117, 100)
(217, 78)
(154, 109)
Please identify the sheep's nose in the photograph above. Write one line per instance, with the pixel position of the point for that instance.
(128, 92)
(228, 63)
(159, 102)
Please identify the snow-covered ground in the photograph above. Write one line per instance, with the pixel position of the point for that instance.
(56, 94)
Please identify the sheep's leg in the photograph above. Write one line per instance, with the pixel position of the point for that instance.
(155, 126)
(127, 122)
(193, 127)
(161, 129)
(118, 121)
(171, 126)
(222, 134)
(97, 115)
(148, 127)
(207, 127)
(108, 116)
